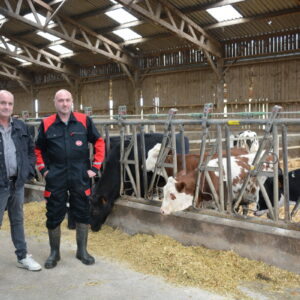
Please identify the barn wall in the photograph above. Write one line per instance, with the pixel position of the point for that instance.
(274, 82)
(23, 101)
(186, 90)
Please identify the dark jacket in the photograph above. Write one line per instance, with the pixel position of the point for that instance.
(63, 150)
(24, 151)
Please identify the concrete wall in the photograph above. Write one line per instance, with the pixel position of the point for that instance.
(275, 246)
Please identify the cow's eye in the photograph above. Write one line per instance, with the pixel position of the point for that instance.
(173, 197)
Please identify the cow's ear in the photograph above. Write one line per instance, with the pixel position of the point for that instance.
(180, 186)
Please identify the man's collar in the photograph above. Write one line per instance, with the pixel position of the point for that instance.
(71, 118)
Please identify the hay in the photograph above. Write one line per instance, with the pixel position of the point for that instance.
(217, 271)
(293, 163)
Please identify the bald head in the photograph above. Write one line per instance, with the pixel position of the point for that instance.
(63, 94)
(63, 101)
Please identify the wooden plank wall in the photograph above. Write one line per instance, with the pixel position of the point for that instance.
(186, 90)
(273, 83)
(278, 82)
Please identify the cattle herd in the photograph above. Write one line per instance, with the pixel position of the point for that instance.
(179, 189)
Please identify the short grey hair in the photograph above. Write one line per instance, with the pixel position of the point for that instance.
(5, 92)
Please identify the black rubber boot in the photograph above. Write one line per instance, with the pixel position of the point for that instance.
(54, 240)
(81, 239)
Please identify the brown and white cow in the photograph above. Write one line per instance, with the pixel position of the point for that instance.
(191, 160)
(179, 191)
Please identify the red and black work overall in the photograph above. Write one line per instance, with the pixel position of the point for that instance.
(62, 149)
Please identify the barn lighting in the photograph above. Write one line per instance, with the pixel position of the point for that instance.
(224, 13)
(121, 16)
(60, 49)
(42, 19)
(48, 36)
(127, 34)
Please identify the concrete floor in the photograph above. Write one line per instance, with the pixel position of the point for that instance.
(106, 280)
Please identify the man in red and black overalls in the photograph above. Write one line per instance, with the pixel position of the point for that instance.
(63, 159)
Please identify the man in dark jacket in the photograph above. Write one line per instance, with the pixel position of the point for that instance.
(17, 162)
(63, 159)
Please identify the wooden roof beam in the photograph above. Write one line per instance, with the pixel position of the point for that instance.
(13, 73)
(92, 41)
(177, 23)
(25, 51)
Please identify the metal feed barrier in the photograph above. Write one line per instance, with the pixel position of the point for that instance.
(206, 126)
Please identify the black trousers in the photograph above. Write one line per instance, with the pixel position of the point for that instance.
(57, 205)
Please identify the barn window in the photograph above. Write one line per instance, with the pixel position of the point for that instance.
(127, 34)
(121, 16)
(111, 108)
(36, 108)
(48, 36)
(60, 49)
(31, 17)
(224, 13)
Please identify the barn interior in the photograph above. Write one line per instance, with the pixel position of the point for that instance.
(134, 60)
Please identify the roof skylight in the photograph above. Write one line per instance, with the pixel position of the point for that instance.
(121, 15)
(60, 49)
(48, 36)
(2, 20)
(22, 60)
(10, 46)
(127, 34)
(224, 13)
(42, 19)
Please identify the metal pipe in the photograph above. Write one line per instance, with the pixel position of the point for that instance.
(143, 154)
(183, 150)
(220, 159)
(174, 152)
(275, 167)
(228, 166)
(287, 216)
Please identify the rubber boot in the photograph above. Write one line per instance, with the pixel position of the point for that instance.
(54, 241)
(81, 239)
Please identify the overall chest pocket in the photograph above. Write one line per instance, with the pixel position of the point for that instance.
(79, 141)
(55, 142)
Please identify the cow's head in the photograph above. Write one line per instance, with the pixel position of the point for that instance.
(100, 209)
(152, 157)
(248, 140)
(178, 193)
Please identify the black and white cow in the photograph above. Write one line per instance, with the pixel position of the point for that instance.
(294, 192)
(107, 189)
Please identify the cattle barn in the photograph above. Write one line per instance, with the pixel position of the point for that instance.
(207, 89)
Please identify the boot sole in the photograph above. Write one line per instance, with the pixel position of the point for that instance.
(53, 265)
(86, 262)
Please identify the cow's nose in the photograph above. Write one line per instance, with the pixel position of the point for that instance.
(162, 211)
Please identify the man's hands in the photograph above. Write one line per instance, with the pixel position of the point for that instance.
(91, 173)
